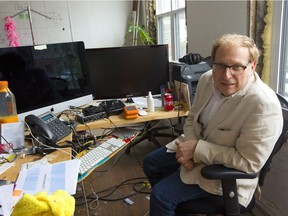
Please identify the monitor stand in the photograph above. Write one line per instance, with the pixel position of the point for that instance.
(129, 99)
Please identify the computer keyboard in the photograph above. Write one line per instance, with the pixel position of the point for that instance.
(100, 153)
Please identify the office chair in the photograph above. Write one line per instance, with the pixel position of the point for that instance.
(228, 203)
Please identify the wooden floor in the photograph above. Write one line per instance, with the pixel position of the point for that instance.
(120, 177)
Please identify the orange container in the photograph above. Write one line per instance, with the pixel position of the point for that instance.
(8, 111)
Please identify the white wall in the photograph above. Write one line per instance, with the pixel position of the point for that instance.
(208, 20)
(97, 23)
(100, 23)
(56, 29)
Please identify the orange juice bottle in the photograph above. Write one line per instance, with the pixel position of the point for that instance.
(8, 111)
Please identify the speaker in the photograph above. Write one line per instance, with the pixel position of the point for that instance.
(191, 58)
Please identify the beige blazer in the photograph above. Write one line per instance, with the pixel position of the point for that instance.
(240, 135)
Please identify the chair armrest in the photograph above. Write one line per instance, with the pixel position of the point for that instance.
(219, 171)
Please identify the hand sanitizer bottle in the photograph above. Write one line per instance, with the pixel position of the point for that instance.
(150, 103)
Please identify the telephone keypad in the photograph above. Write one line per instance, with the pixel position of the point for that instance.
(59, 129)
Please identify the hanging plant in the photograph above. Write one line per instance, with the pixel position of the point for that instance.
(9, 26)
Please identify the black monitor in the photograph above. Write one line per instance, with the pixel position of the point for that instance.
(117, 72)
(46, 77)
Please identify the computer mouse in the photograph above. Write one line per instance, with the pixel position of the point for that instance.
(142, 112)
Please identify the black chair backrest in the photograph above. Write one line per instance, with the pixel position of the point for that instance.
(280, 142)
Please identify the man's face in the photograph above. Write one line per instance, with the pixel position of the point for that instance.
(226, 81)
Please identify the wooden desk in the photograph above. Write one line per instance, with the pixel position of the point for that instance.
(12, 173)
(119, 120)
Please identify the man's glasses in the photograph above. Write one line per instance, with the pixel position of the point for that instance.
(234, 69)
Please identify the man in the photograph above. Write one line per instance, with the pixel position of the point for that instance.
(235, 120)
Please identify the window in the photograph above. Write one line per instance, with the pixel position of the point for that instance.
(283, 76)
(171, 24)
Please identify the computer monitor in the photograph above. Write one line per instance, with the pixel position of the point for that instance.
(117, 72)
(48, 77)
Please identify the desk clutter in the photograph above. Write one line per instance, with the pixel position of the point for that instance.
(58, 203)
(91, 113)
(62, 175)
(112, 107)
(69, 83)
(103, 110)
(130, 112)
(88, 148)
(29, 181)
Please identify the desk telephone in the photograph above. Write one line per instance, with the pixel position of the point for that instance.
(48, 128)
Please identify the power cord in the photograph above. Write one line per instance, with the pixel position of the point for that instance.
(138, 187)
(141, 182)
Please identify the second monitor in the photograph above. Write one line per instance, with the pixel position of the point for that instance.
(120, 71)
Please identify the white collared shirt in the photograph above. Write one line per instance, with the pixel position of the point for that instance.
(215, 103)
(212, 107)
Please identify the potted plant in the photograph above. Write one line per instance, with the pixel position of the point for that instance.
(138, 32)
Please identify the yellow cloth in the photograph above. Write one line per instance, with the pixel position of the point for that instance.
(60, 203)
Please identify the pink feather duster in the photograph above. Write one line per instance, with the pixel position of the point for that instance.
(11, 31)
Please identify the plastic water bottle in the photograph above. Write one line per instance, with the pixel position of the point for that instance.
(150, 103)
(8, 111)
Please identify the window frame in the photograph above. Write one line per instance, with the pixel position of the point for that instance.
(175, 39)
(277, 68)
(283, 60)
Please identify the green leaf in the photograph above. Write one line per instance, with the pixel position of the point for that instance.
(143, 35)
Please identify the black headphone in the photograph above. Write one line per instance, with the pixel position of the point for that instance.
(191, 58)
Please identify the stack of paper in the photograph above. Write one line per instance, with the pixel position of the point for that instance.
(50, 178)
(6, 202)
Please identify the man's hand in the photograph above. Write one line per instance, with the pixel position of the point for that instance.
(188, 164)
(184, 153)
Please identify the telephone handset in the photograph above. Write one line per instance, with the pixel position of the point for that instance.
(48, 128)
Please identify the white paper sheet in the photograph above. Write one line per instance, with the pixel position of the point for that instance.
(141, 102)
(49, 178)
(13, 133)
(6, 192)
(5, 166)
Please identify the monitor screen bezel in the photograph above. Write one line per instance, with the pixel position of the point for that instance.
(100, 95)
(79, 99)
